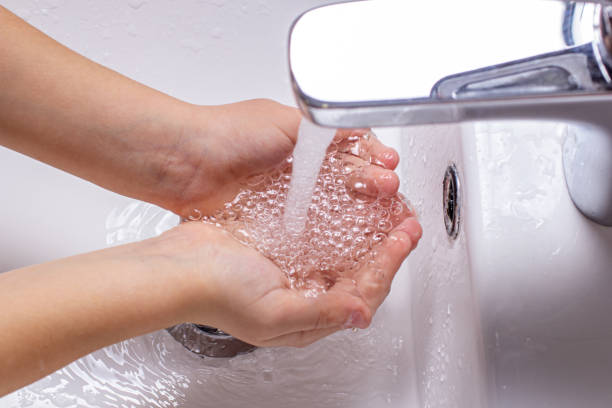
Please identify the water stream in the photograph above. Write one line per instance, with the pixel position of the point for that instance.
(308, 156)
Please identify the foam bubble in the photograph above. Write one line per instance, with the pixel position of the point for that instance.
(342, 226)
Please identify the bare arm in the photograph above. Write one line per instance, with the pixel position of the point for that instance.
(68, 111)
(56, 312)
(65, 110)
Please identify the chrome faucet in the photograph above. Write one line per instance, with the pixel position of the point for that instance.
(466, 61)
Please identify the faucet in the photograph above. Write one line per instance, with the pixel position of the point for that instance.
(572, 83)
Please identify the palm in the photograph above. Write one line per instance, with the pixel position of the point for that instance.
(254, 301)
(253, 298)
(241, 279)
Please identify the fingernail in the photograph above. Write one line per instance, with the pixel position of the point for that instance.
(390, 159)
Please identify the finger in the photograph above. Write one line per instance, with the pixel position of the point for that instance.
(373, 181)
(374, 279)
(382, 155)
(339, 306)
(300, 339)
(351, 134)
(399, 210)
(363, 143)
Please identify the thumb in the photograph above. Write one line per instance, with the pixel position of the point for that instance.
(340, 306)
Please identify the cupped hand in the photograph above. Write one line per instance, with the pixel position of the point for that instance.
(239, 290)
(243, 293)
(222, 146)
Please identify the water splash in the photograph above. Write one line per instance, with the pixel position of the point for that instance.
(308, 156)
(156, 371)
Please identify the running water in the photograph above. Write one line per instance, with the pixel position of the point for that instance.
(308, 156)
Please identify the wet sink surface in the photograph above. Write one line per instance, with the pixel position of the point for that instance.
(349, 369)
(542, 272)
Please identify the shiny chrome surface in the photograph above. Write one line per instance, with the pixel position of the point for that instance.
(451, 201)
(471, 56)
(587, 165)
(208, 341)
(471, 62)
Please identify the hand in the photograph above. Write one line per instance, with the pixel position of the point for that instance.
(241, 292)
(114, 132)
(221, 146)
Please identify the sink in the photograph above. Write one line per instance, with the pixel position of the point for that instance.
(366, 368)
(449, 360)
(515, 311)
(541, 271)
(511, 313)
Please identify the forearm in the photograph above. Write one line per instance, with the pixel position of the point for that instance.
(57, 312)
(74, 114)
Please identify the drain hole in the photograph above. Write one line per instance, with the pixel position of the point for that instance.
(211, 330)
(452, 201)
(208, 341)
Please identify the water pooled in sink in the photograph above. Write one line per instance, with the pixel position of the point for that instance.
(155, 371)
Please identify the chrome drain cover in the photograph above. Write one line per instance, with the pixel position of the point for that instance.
(452, 201)
(208, 341)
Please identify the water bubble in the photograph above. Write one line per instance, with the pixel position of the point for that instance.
(340, 230)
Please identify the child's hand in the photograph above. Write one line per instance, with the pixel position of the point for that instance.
(221, 146)
(241, 292)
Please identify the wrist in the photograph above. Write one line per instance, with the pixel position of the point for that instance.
(188, 149)
(181, 260)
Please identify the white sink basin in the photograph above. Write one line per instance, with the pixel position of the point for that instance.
(541, 271)
(516, 312)
(513, 313)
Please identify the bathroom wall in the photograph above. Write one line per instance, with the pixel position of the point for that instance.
(202, 51)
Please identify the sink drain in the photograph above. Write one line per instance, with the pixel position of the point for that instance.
(208, 341)
(452, 201)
